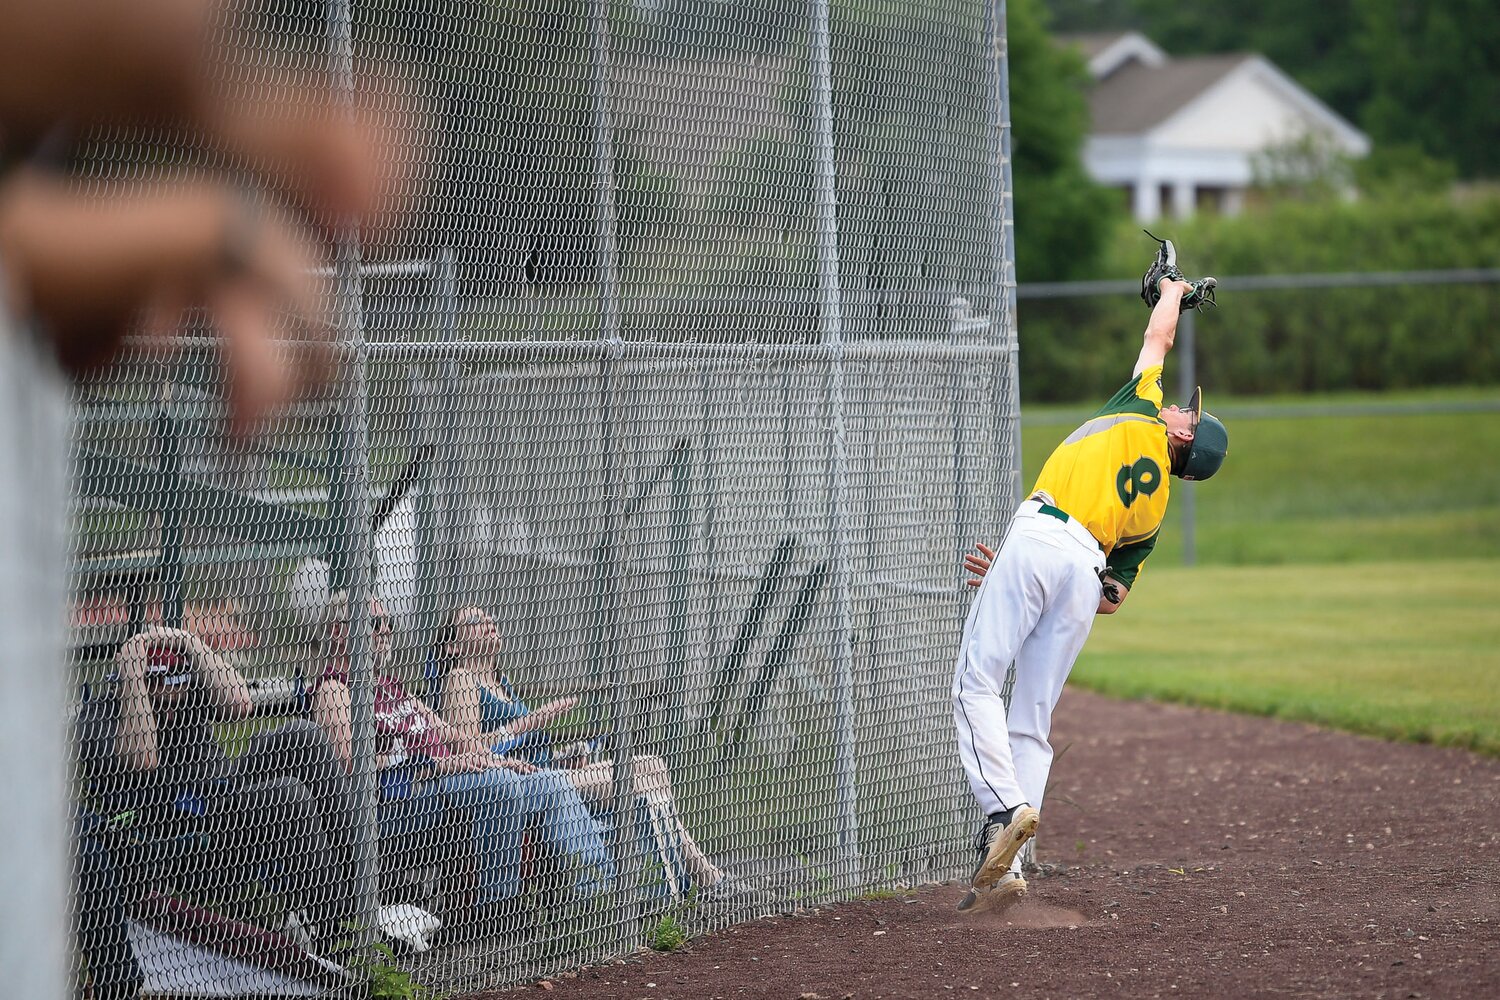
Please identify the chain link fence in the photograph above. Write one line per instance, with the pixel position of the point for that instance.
(614, 587)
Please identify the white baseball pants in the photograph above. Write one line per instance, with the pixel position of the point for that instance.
(1034, 608)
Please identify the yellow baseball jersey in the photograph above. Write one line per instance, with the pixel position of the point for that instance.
(1111, 474)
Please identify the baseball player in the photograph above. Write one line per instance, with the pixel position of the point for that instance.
(1072, 551)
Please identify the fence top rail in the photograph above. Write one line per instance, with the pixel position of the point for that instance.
(1273, 282)
(623, 350)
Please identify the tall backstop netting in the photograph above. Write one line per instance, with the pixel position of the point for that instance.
(614, 585)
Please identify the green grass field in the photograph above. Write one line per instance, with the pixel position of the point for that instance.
(1347, 571)
(1400, 650)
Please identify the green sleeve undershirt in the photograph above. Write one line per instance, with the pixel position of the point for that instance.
(1124, 563)
(1127, 401)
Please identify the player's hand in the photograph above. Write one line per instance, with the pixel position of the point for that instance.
(978, 563)
(1112, 593)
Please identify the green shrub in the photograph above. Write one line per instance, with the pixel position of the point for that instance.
(1294, 341)
(667, 935)
(386, 979)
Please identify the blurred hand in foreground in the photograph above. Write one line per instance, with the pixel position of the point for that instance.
(89, 267)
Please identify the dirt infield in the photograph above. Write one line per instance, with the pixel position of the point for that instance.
(1208, 855)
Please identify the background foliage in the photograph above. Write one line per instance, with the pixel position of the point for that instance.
(1313, 340)
(1062, 216)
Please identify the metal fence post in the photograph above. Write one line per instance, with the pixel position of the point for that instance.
(1187, 367)
(169, 479)
(1008, 324)
(621, 680)
(1004, 252)
(424, 510)
(34, 750)
(451, 463)
(679, 583)
(349, 507)
(831, 313)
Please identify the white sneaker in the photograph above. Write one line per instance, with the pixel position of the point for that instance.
(300, 929)
(999, 844)
(408, 923)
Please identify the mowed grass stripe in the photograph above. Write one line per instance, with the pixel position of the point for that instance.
(1402, 650)
(1337, 488)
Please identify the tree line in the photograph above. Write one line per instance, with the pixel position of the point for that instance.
(1302, 340)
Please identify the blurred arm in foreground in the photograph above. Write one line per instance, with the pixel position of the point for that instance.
(88, 267)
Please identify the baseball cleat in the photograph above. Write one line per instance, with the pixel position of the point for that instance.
(1009, 890)
(1166, 253)
(998, 844)
(1004, 894)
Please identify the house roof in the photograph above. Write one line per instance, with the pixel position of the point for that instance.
(1106, 52)
(1092, 43)
(1137, 98)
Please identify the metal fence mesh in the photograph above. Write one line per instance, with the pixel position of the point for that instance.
(676, 399)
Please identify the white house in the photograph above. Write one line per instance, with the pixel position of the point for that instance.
(1179, 134)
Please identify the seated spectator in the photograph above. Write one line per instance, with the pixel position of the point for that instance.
(480, 702)
(280, 814)
(99, 920)
(501, 796)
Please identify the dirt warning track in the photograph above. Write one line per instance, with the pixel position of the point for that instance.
(1192, 854)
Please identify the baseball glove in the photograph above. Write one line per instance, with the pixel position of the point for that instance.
(1165, 266)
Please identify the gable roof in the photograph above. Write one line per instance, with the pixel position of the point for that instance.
(1137, 98)
(1091, 43)
(1107, 51)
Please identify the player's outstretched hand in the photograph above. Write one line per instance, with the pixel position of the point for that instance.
(978, 563)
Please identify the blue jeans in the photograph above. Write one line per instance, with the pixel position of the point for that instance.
(501, 805)
(566, 826)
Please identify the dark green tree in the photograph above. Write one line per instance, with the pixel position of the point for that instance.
(1435, 79)
(1062, 216)
(1314, 42)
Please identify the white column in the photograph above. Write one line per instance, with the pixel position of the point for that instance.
(1146, 199)
(1183, 204)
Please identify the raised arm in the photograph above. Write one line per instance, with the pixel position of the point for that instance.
(1161, 331)
(135, 730)
(226, 689)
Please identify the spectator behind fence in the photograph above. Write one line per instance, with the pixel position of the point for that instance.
(482, 705)
(500, 796)
(279, 815)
